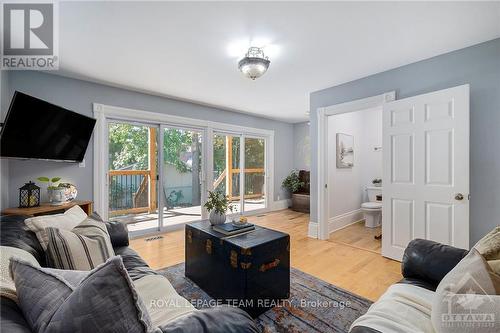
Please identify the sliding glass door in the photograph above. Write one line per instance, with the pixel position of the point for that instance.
(132, 174)
(156, 173)
(181, 175)
(239, 164)
(226, 158)
(254, 174)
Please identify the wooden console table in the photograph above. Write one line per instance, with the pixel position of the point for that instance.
(47, 208)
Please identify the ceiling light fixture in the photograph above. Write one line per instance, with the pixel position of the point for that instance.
(255, 63)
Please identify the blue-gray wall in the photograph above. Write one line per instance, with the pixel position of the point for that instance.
(78, 95)
(301, 146)
(478, 66)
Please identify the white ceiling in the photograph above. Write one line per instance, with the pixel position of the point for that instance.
(190, 50)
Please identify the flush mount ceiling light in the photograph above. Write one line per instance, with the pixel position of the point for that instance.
(255, 63)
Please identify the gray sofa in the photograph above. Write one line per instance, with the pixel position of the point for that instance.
(218, 319)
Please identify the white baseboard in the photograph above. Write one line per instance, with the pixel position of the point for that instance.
(341, 221)
(280, 204)
(312, 229)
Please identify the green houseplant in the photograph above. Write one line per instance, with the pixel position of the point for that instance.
(296, 184)
(55, 192)
(292, 182)
(217, 204)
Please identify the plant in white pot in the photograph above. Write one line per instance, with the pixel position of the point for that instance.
(57, 194)
(217, 204)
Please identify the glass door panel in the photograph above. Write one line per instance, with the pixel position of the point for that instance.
(254, 174)
(132, 186)
(226, 165)
(182, 175)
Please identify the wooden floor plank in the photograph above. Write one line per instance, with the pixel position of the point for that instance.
(351, 262)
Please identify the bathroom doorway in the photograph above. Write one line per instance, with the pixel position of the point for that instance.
(425, 169)
(354, 164)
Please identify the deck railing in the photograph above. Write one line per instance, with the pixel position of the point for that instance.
(254, 183)
(129, 192)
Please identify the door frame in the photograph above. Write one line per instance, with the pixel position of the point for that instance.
(320, 229)
(104, 113)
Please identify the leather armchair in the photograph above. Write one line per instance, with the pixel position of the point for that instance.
(426, 262)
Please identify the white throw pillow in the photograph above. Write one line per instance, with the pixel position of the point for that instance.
(83, 248)
(467, 299)
(7, 286)
(489, 248)
(163, 303)
(66, 221)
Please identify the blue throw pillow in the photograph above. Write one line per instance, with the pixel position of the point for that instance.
(102, 300)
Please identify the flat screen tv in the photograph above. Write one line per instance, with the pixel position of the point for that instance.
(36, 129)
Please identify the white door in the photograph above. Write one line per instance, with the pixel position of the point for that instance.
(426, 170)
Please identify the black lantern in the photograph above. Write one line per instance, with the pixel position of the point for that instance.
(29, 195)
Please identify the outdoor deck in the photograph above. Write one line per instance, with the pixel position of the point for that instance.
(172, 217)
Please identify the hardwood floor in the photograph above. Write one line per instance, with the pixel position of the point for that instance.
(340, 262)
(359, 236)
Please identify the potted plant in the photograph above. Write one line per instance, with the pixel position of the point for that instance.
(57, 194)
(217, 204)
(294, 184)
(377, 182)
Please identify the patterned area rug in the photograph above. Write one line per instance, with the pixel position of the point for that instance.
(314, 305)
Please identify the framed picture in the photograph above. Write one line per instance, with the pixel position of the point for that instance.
(345, 151)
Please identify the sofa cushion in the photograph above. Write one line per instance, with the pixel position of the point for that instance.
(135, 265)
(66, 221)
(118, 231)
(489, 248)
(402, 308)
(7, 286)
(83, 248)
(429, 261)
(222, 319)
(104, 300)
(12, 319)
(14, 233)
(468, 298)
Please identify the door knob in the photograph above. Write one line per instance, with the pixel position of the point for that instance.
(459, 196)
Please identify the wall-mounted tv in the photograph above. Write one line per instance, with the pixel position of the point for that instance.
(36, 129)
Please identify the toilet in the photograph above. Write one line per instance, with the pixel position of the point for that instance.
(372, 210)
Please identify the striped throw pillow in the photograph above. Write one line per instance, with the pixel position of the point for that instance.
(83, 248)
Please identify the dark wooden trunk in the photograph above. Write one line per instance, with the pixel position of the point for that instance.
(250, 270)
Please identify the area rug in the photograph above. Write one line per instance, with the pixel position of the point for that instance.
(314, 305)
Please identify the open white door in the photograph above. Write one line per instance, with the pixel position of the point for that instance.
(426, 170)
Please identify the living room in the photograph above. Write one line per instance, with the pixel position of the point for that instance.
(318, 167)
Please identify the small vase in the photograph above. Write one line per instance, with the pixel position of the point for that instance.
(216, 218)
(57, 196)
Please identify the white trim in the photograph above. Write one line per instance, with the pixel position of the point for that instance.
(100, 173)
(312, 229)
(341, 221)
(280, 204)
(103, 113)
(360, 104)
(117, 112)
(322, 130)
